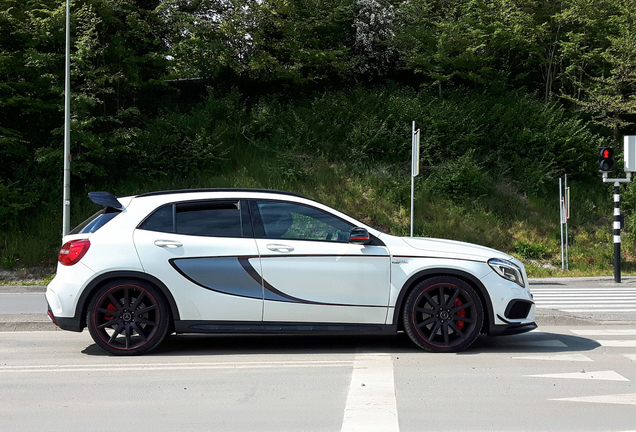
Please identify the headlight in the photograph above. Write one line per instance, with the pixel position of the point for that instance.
(507, 270)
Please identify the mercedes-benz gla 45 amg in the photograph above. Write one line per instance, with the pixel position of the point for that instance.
(257, 261)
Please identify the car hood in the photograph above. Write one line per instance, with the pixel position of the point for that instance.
(455, 248)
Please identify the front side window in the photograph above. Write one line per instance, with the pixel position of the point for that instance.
(283, 220)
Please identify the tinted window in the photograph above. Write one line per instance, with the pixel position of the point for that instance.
(209, 219)
(161, 220)
(96, 221)
(294, 221)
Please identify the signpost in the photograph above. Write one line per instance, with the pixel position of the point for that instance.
(66, 205)
(415, 167)
(564, 206)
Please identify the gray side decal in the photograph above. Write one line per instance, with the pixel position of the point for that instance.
(226, 275)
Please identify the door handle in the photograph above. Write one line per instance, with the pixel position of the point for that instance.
(280, 248)
(168, 243)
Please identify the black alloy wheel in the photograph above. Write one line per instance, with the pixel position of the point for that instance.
(443, 314)
(127, 317)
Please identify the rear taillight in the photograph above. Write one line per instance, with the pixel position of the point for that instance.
(73, 251)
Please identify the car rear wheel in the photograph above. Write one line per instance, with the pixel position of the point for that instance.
(127, 317)
(443, 314)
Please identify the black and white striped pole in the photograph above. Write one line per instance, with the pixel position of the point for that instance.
(617, 232)
(606, 162)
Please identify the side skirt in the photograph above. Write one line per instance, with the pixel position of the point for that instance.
(187, 326)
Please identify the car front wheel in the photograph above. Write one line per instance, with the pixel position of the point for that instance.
(127, 317)
(443, 314)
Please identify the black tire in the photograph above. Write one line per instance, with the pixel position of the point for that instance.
(443, 314)
(128, 317)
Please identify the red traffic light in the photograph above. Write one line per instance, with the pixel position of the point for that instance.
(605, 159)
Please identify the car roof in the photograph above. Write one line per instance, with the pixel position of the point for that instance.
(181, 191)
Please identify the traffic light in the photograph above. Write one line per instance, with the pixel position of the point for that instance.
(605, 159)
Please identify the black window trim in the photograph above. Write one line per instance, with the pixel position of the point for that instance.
(259, 230)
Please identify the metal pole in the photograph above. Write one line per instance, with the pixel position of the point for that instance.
(567, 215)
(412, 177)
(412, 201)
(66, 207)
(617, 233)
(561, 222)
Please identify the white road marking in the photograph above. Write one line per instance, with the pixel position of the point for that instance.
(616, 332)
(540, 343)
(623, 399)
(590, 296)
(169, 366)
(597, 310)
(629, 303)
(599, 375)
(618, 343)
(557, 357)
(594, 299)
(582, 290)
(371, 404)
(630, 356)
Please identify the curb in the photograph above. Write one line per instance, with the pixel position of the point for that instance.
(26, 322)
(28, 326)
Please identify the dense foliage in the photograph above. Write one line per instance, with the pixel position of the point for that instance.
(508, 93)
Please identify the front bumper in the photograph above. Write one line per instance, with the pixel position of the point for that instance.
(511, 329)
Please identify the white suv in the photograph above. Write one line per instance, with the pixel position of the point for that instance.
(258, 261)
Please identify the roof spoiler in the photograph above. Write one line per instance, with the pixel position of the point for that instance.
(106, 199)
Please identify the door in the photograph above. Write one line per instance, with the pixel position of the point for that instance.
(311, 273)
(205, 253)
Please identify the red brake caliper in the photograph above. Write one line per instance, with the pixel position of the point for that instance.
(461, 313)
(110, 307)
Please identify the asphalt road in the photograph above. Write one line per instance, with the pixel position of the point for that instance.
(561, 378)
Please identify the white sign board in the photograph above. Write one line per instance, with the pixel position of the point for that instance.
(415, 169)
(630, 153)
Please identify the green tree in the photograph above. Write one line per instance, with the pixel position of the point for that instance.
(607, 88)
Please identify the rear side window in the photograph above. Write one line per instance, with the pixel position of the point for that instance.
(209, 219)
(201, 218)
(96, 221)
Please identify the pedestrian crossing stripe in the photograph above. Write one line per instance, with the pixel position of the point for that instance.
(600, 299)
(630, 356)
(594, 310)
(618, 343)
(557, 357)
(610, 332)
(583, 290)
(623, 399)
(538, 343)
(599, 302)
(598, 376)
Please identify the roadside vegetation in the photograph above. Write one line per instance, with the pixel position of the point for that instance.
(317, 97)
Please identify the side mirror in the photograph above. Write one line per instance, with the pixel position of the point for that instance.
(359, 236)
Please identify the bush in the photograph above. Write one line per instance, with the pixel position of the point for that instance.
(460, 180)
(531, 250)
